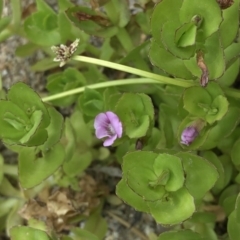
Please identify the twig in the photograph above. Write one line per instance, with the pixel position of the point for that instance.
(127, 225)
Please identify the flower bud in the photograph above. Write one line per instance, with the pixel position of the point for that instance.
(188, 135)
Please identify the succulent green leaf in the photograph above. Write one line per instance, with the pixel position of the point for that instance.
(33, 169)
(91, 102)
(171, 164)
(95, 23)
(41, 28)
(27, 233)
(36, 119)
(237, 209)
(233, 227)
(136, 113)
(174, 208)
(209, 11)
(196, 170)
(84, 234)
(161, 14)
(13, 121)
(96, 224)
(218, 109)
(212, 157)
(197, 101)
(180, 235)
(140, 176)
(230, 74)
(78, 163)
(212, 50)
(54, 129)
(230, 18)
(235, 153)
(214, 56)
(168, 39)
(69, 140)
(130, 197)
(71, 78)
(185, 36)
(164, 60)
(28, 100)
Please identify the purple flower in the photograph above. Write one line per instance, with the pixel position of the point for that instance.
(107, 125)
(188, 135)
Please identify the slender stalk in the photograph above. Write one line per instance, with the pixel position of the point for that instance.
(10, 169)
(116, 66)
(102, 85)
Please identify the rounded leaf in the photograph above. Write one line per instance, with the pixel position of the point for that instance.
(196, 170)
(180, 235)
(130, 197)
(173, 166)
(175, 208)
(34, 169)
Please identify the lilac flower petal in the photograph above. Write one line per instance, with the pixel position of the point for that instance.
(101, 133)
(188, 135)
(101, 121)
(109, 141)
(115, 122)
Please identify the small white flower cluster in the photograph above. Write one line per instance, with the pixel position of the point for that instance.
(64, 53)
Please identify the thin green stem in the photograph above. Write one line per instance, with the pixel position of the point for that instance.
(116, 66)
(10, 169)
(102, 85)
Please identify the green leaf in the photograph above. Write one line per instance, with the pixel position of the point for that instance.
(1, 168)
(180, 235)
(136, 113)
(33, 169)
(41, 28)
(69, 139)
(169, 42)
(172, 165)
(235, 153)
(91, 102)
(209, 11)
(237, 209)
(29, 101)
(233, 226)
(173, 208)
(212, 157)
(59, 82)
(222, 128)
(196, 168)
(186, 35)
(78, 163)
(130, 197)
(96, 224)
(44, 64)
(218, 109)
(95, 23)
(36, 119)
(84, 234)
(230, 74)
(54, 129)
(161, 14)
(13, 121)
(230, 18)
(7, 189)
(27, 233)
(157, 54)
(197, 101)
(140, 175)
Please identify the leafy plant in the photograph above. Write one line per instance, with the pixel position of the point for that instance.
(170, 116)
